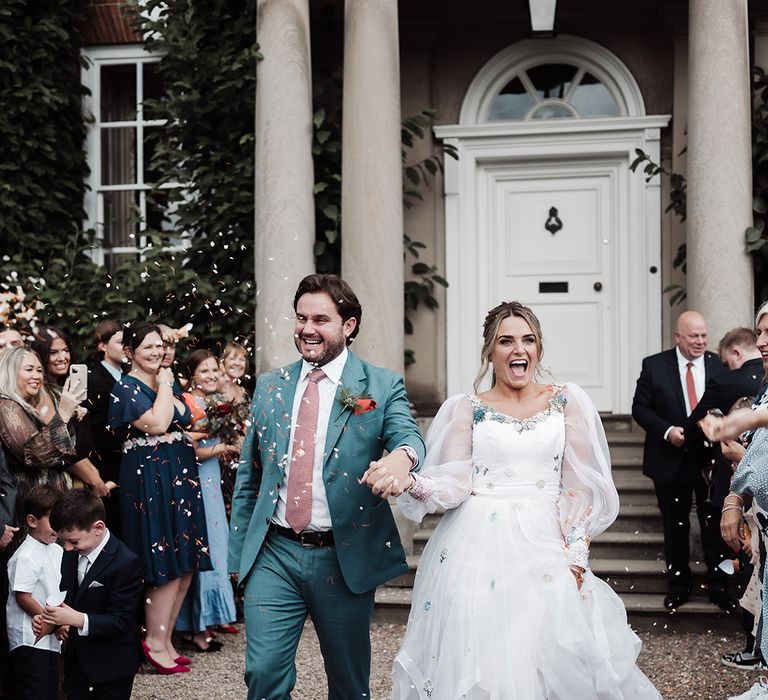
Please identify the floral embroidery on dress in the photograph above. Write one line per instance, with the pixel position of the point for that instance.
(483, 412)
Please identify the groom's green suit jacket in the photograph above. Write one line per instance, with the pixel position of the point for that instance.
(366, 538)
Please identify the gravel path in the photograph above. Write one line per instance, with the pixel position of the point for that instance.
(681, 665)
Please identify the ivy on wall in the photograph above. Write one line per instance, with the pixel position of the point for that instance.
(204, 156)
(43, 168)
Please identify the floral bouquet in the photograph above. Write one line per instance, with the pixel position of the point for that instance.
(226, 418)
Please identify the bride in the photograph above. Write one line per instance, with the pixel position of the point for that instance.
(504, 605)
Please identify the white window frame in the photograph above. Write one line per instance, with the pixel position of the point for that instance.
(97, 57)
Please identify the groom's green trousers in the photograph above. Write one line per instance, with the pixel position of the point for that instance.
(287, 583)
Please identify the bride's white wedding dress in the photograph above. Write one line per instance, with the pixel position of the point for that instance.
(496, 611)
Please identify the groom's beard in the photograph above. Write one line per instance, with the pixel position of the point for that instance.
(322, 353)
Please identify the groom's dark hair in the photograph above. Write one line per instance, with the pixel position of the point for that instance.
(343, 297)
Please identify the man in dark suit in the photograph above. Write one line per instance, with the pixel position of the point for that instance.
(670, 386)
(103, 580)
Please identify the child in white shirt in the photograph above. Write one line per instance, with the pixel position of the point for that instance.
(34, 573)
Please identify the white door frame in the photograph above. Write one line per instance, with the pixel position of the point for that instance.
(638, 237)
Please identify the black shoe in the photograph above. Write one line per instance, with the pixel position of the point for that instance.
(675, 600)
(741, 659)
(191, 645)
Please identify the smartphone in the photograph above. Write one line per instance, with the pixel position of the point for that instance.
(78, 374)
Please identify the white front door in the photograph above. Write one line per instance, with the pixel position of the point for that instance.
(594, 283)
(551, 230)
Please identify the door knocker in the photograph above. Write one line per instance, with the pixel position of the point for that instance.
(554, 224)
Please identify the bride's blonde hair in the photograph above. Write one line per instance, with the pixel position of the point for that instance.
(491, 325)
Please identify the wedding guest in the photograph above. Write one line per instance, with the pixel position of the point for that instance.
(34, 573)
(54, 349)
(162, 510)
(7, 531)
(7, 504)
(103, 581)
(210, 601)
(749, 485)
(10, 338)
(38, 447)
(234, 365)
(99, 442)
(670, 385)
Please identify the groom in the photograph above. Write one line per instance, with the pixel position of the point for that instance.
(307, 538)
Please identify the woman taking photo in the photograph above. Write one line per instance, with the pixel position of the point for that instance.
(161, 502)
(54, 350)
(210, 601)
(38, 445)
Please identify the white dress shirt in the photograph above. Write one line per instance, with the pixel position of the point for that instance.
(91, 557)
(34, 568)
(327, 388)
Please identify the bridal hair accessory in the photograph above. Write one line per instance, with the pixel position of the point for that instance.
(359, 403)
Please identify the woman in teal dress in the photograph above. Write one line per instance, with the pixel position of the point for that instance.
(210, 600)
(162, 512)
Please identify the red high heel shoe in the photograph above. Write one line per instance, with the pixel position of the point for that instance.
(162, 670)
(183, 660)
(227, 629)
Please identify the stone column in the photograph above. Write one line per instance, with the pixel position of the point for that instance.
(371, 187)
(284, 200)
(720, 281)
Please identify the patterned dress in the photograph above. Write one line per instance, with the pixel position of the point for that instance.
(37, 453)
(161, 502)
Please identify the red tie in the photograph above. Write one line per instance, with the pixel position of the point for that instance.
(298, 511)
(691, 387)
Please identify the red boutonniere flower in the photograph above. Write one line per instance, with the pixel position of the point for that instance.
(358, 403)
(364, 405)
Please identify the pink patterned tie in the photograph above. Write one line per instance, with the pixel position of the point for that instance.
(299, 502)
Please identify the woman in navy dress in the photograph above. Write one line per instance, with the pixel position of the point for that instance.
(162, 512)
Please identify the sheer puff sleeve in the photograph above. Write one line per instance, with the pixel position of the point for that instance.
(588, 502)
(445, 478)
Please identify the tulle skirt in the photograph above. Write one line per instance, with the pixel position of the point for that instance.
(497, 614)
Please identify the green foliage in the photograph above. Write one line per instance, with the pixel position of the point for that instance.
(326, 153)
(205, 159)
(756, 235)
(43, 168)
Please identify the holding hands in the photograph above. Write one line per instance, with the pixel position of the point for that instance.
(389, 476)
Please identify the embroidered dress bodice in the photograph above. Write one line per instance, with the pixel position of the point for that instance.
(517, 457)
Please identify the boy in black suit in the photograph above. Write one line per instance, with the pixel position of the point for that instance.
(103, 580)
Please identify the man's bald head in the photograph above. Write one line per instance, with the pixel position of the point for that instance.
(691, 334)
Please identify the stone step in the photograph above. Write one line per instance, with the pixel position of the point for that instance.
(644, 611)
(642, 517)
(639, 575)
(617, 544)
